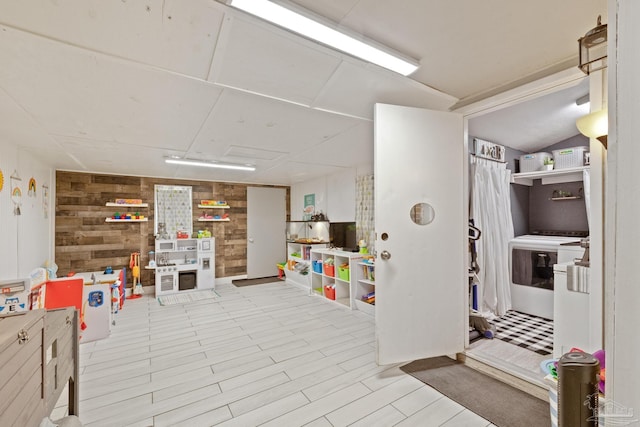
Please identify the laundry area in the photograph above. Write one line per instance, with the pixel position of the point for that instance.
(533, 294)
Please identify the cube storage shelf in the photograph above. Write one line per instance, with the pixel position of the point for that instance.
(298, 267)
(333, 275)
(365, 286)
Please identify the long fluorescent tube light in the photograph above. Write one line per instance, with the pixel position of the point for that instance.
(324, 34)
(209, 165)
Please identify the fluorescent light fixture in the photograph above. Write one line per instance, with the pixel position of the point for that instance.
(209, 164)
(322, 33)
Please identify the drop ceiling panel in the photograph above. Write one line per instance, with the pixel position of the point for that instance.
(172, 34)
(18, 127)
(354, 147)
(261, 58)
(99, 97)
(242, 119)
(354, 90)
(295, 172)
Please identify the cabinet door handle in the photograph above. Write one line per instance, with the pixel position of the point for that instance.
(385, 255)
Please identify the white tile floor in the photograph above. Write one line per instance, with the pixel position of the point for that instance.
(266, 355)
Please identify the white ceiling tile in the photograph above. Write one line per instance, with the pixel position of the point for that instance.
(261, 58)
(94, 96)
(353, 147)
(355, 89)
(172, 34)
(262, 123)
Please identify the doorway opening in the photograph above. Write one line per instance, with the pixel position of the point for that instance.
(542, 124)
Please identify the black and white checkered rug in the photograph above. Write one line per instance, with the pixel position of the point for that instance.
(526, 331)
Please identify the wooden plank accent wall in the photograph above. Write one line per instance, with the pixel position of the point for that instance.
(85, 242)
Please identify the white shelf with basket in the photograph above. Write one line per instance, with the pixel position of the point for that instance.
(333, 275)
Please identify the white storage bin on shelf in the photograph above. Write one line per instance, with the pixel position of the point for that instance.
(569, 157)
(533, 162)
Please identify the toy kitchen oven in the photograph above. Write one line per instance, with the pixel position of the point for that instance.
(184, 265)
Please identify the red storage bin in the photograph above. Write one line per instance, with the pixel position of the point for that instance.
(329, 270)
(330, 292)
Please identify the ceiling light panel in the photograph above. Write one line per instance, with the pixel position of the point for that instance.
(311, 28)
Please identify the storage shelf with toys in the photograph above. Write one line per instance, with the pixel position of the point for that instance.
(365, 293)
(213, 204)
(127, 217)
(332, 275)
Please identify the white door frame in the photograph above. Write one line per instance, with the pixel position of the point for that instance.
(556, 82)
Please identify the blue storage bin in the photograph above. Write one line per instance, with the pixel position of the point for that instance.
(317, 266)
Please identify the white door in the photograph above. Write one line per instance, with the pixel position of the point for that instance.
(266, 223)
(420, 287)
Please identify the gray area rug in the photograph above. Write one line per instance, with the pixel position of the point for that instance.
(503, 405)
(259, 281)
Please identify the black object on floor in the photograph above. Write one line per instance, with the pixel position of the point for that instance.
(259, 281)
(524, 330)
(493, 400)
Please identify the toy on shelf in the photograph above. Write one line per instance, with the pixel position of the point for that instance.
(214, 203)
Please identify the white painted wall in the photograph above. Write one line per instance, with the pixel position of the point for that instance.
(335, 196)
(27, 240)
(622, 275)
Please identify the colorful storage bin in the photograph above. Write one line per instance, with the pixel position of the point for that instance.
(329, 270)
(330, 292)
(317, 266)
(343, 273)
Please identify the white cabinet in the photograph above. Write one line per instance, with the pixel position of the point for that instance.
(184, 265)
(334, 275)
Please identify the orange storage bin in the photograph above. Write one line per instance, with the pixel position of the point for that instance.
(329, 270)
(330, 292)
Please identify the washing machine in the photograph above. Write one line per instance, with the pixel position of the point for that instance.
(531, 261)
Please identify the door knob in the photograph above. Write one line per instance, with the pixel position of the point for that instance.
(385, 255)
(250, 240)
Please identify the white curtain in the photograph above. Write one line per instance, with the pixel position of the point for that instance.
(491, 212)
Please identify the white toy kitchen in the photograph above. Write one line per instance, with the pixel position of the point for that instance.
(184, 264)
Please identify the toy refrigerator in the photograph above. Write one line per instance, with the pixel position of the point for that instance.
(206, 263)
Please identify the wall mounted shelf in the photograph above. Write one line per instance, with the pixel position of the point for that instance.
(555, 199)
(213, 220)
(214, 207)
(556, 176)
(126, 205)
(126, 220)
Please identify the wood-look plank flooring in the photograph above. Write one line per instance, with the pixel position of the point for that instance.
(264, 355)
